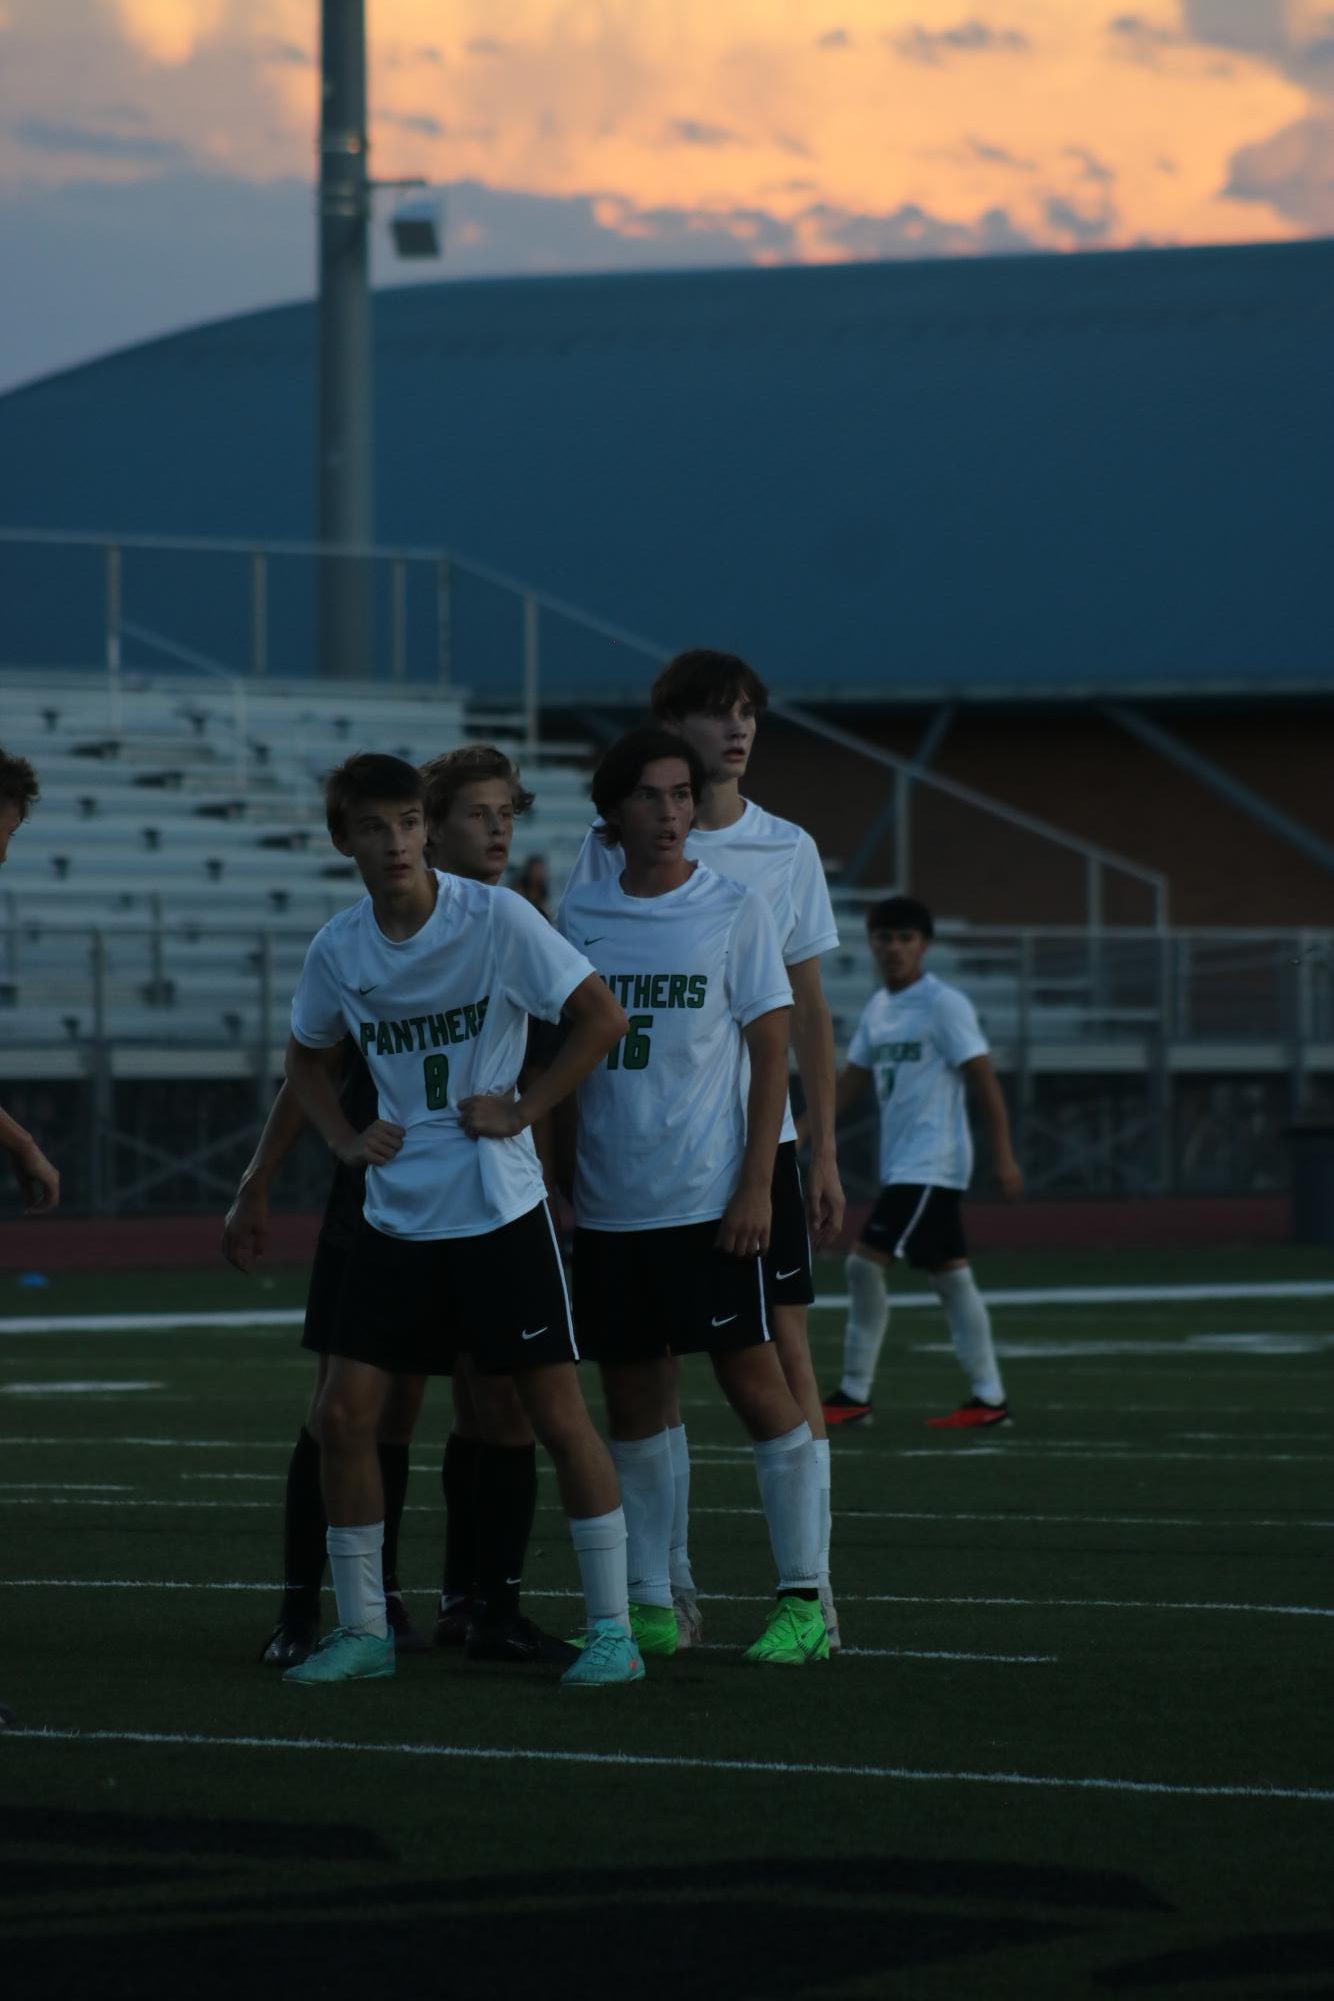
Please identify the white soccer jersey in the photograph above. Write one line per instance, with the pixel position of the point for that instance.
(441, 1016)
(662, 1127)
(774, 856)
(913, 1044)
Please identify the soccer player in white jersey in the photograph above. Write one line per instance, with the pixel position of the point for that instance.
(919, 1042)
(489, 1474)
(713, 701)
(673, 1179)
(435, 976)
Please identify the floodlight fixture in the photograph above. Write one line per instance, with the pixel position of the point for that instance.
(417, 227)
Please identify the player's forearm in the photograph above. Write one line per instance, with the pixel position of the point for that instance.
(766, 1103)
(282, 1130)
(991, 1100)
(813, 1047)
(311, 1078)
(595, 1028)
(14, 1138)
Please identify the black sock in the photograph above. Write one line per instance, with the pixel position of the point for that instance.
(304, 1529)
(458, 1479)
(506, 1504)
(394, 1480)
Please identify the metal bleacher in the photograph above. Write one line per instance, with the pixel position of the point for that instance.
(163, 893)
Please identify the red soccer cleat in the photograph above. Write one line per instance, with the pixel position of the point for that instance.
(972, 1415)
(840, 1409)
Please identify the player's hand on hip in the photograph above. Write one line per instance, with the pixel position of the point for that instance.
(375, 1147)
(245, 1230)
(1011, 1178)
(744, 1229)
(39, 1183)
(486, 1117)
(825, 1202)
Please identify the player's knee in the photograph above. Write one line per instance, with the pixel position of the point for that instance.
(862, 1272)
(500, 1417)
(345, 1421)
(555, 1408)
(638, 1398)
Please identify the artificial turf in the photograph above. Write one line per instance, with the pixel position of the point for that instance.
(1085, 1661)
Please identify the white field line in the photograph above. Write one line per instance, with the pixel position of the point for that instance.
(63, 1487)
(1072, 1295)
(907, 1654)
(734, 1597)
(997, 1518)
(620, 1760)
(992, 1517)
(52, 1493)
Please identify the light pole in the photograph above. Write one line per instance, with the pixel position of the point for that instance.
(345, 510)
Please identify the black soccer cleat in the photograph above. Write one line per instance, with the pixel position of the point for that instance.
(518, 1641)
(844, 1410)
(295, 1636)
(408, 1639)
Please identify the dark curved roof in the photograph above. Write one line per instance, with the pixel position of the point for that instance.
(1039, 473)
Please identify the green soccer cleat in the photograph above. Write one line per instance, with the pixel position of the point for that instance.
(610, 1655)
(344, 1656)
(794, 1635)
(653, 1627)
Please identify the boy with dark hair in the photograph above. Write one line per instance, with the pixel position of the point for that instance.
(919, 1041)
(667, 1257)
(436, 977)
(18, 795)
(712, 701)
(489, 1474)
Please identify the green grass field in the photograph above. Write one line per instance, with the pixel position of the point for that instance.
(1080, 1739)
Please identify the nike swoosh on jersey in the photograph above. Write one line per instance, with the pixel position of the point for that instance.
(527, 1336)
(726, 1320)
(788, 1274)
(369, 990)
(595, 941)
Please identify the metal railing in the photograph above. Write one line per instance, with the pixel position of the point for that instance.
(421, 647)
(909, 773)
(1134, 1062)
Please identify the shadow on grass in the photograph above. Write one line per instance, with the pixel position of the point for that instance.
(199, 1906)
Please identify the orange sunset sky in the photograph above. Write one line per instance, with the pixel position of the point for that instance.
(153, 152)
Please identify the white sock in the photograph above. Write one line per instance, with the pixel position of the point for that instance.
(864, 1333)
(822, 1466)
(648, 1493)
(358, 1581)
(970, 1331)
(599, 1544)
(680, 1572)
(789, 1477)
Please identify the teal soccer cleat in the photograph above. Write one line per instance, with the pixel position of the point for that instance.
(344, 1656)
(610, 1656)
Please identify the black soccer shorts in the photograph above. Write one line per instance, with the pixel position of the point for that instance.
(643, 1294)
(787, 1262)
(919, 1223)
(410, 1305)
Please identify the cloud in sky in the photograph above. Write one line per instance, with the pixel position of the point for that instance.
(647, 129)
(697, 132)
(54, 135)
(965, 38)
